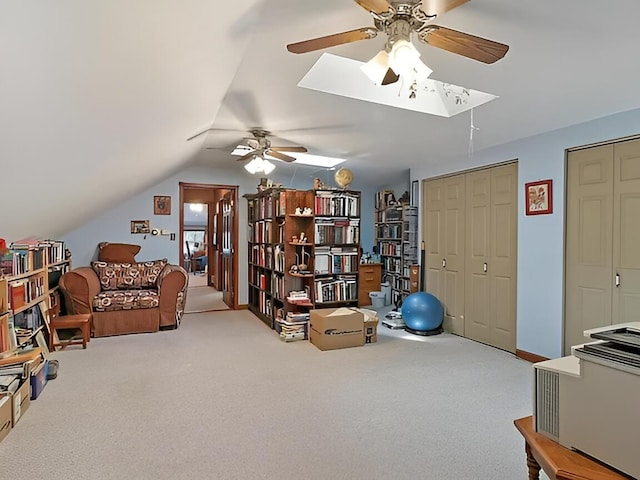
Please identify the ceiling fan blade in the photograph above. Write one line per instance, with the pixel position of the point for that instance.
(279, 156)
(290, 149)
(476, 48)
(438, 7)
(332, 40)
(378, 6)
(390, 77)
(248, 156)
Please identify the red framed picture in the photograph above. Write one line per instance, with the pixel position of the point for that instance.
(538, 197)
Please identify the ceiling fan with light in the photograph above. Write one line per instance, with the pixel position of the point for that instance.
(399, 19)
(258, 147)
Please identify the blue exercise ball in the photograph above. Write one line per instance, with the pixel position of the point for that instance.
(422, 312)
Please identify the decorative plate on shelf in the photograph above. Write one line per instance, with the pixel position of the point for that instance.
(343, 177)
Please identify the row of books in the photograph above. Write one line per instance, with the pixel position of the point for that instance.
(389, 248)
(384, 199)
(265, 206)
(392, 265)
(31, 255)
(330, 260)
(339, 289)
(343, 231)
(337, 204)
(25, 291)
(261, 231)
(393, 230)
(268, 257)
(390, 215)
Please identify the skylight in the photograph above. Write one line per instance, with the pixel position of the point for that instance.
(343, 76)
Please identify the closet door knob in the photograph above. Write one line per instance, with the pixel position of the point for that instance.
(484, 267)
(617, 279)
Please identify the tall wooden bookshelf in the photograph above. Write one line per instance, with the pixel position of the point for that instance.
(396, 229)
(265, 260)
(337, 247)
(303, 251)
(29, 294)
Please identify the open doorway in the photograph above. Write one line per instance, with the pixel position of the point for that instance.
(208, 245)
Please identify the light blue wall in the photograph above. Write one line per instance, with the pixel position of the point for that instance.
(114, 225)
(541, 237)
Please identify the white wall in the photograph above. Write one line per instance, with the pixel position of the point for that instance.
(541, 237)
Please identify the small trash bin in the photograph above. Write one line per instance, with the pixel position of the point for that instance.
(385, 287)
(377, 299)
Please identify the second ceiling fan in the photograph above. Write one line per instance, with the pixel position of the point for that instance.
(260, 145)
(399, 19)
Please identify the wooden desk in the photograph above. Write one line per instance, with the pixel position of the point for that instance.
(368, 281)
(558, 462)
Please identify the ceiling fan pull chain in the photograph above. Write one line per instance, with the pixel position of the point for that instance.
(472, 128)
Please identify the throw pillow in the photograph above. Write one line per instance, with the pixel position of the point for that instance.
(128, 276)
(117, 252)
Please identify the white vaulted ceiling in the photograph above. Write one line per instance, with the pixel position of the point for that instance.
(98, 98)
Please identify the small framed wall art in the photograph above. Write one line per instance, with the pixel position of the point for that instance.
(539, 197)
(140, 226)
(162, 205)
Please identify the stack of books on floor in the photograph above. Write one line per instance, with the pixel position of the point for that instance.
(23, 375)
(295, 326)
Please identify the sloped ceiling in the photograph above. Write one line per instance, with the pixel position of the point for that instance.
(97, 99)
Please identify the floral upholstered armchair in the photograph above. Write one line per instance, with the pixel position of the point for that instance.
(124, 296)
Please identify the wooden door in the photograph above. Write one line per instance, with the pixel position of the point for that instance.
(454, 261)
(626, 232)
(589, 241)
(433, 193)
(477, 321)
(503, 259)
(228, 250)
(491, 256)
(444, 244)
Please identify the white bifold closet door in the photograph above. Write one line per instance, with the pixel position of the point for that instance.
(602, 255)
(470, 233)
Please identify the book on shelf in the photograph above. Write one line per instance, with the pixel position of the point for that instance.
(8, 338)
(18, 294)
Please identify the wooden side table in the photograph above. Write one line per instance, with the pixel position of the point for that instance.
(558, 462)
(81, 321)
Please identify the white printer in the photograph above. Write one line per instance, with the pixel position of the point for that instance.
(589, 401)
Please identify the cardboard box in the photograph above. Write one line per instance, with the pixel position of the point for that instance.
(332, 328)
(38, 379)
(370, 325)
(6, 420)
(21, 399)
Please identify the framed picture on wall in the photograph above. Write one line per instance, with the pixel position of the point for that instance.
(539, 197)
(140, 226)
(162, 205)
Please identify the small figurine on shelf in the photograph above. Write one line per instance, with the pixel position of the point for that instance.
(307, 211)
(294, 239)
(319, 184)
(304, 267)
(303, 238)
(299, 211)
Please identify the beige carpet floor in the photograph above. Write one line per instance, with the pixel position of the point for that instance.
(222, 397)
(204, 299)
